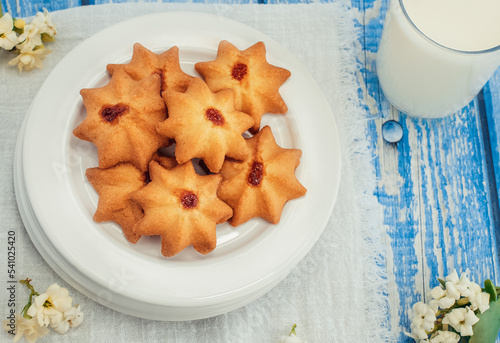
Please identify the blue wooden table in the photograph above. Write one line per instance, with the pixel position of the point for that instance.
(438, 186)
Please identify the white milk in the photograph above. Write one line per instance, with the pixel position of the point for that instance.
(440, 69)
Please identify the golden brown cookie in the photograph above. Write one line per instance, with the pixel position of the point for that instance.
(121, 120)
(182, 207)
(262, 184)
(205, 125)
(167, 162)
(145, 63)
(114, 186)
(255, 82)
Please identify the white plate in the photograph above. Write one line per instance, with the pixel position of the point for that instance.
(57, 202)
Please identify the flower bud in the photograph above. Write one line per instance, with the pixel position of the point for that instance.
(19, 23)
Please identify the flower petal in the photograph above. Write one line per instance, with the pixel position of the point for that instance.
(6, 24)
(470, 317)
(446, 302)
(453, 277)
(437, 292)
(452, 291)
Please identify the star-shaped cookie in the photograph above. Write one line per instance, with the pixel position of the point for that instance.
(205, 125)
(144, 63)
(114, 186)
(182, 207)
(255, 82)
(121, 120)
(261, 185)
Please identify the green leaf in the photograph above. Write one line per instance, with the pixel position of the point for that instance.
(487, 328)
(489, 287)
(442, 282)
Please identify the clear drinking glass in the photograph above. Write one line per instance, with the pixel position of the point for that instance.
(424, 78)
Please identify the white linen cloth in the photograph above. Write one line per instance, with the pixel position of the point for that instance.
(337, 293)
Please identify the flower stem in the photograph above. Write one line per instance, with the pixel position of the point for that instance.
(26, 282)
(293, 330)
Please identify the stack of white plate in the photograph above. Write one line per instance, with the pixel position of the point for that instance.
(57, 203)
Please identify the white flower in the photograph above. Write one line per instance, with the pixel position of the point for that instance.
(71, 318)
(29, 59)
(30, 38)
(458, 285)
(48, 308)
(461, 319)
(422, 321)
(478, 299)
(441, 299)
(445, 337)
(455, 288)
(8, 38)
(44, 23)
(466, 288)
(29, 328)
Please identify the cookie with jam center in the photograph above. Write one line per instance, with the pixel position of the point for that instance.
(121, 120)
(255, 81)
(261, 185)
(205, 125)
(144, 63)
(182, 207)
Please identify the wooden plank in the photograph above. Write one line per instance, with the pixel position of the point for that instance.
(26, 8)
(433, 187)
(394, 192)
(401, 259)
(491, 94)
(492, 98)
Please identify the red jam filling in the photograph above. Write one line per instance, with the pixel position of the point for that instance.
(239, 71)
(147, 178)
(162, 78)
(110, 113)
(215, 116)
(256, 174)
(189, 200)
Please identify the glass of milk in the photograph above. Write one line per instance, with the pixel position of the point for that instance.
(436, 55)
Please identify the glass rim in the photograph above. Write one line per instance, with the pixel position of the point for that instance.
(471, 52)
